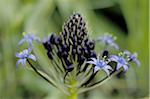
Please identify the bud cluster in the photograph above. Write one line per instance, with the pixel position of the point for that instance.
(72, 44)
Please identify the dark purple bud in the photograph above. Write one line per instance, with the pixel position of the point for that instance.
(69, 65)
(52, 38)
(58, 40)
(105, 53)
(90, 44)
(50, 55)
(93, 54)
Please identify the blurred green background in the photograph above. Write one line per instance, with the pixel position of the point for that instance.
(127, 19)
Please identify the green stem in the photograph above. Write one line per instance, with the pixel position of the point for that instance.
(73, 96)
(40, 73)
(73, 93)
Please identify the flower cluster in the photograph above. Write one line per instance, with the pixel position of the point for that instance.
(26, 54)
(74, 58)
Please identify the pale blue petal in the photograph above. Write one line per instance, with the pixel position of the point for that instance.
(91, 62)
(108, 67)
(25, 52)
(23, 62)
(31, 56)
(18, 62)
(115, 46)
(106, 71)
(126, 52)
(21, 41)
(113, 58)
(137, 62)
(125, 67)
(94, 59)
(18, 55)
(96, 68)
(118, 66)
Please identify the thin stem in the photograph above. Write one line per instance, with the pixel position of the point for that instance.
(40, 73)
(99, 82)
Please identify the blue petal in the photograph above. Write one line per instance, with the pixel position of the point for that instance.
(18, 55)
(125, 67)
(23, 62)
(31, 56)
(96, 68)
(91, 62)
(106, 71)
(118, 66)
(18, 62)
(21, 41)
(137, 62)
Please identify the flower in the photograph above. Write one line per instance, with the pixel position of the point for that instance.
(100, 65)
(23, 56)
(121, 62)
(132, 57)
(108, 39)
(29, 38)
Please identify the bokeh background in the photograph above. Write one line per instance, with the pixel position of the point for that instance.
(127, 19)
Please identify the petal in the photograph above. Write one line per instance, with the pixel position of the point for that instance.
(21, 41)
(18, 55)
(31, 56)
(113, 58)
(106, 71)
(91, 62)
(30, 42)
(108, 67)
(94, 59)
(18, 62)
(23, 62)
(118, 66)
(137, 62)
(125, 67)
(115, 46)
(96, 68)
(25, 52)
(126, 52)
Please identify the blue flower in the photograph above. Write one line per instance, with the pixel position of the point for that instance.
(132, 57)
(121, 62)
(29, 38)
(108, 39)
(100, 65)
(23, 56)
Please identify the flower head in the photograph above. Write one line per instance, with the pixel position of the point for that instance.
(100, 65)
(132, 57)
(23, 56)
(29, 38)
(73, 58)
(108, 39)
(121, 62)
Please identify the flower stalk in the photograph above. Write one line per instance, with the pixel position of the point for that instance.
(73, 91)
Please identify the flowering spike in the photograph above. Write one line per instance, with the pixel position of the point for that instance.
(73, 58)
(72, 42)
